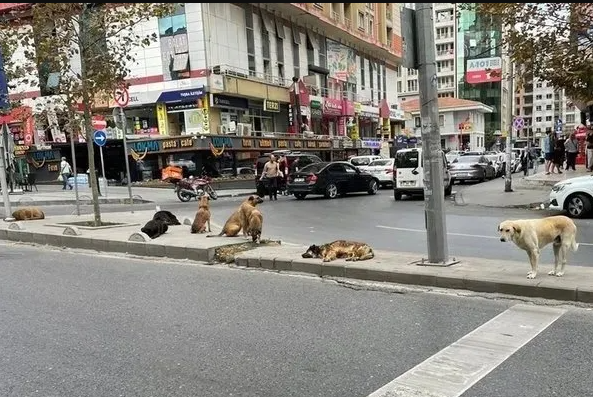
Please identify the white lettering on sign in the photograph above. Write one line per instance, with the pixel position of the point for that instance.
(484, 63)
(332, 105)
(191, 93)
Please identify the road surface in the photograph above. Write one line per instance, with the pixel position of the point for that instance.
(81, 324)
(381, 221)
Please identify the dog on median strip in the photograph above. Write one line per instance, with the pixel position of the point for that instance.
(350, 250)
(202, 218)
(28, 214)
(255, 224)
(239, 220)
(167, 217)
(532, 235)
(155, 228)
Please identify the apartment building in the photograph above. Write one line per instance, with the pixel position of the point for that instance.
(248, 78)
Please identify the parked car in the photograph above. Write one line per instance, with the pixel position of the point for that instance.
(331, 179)
(304, 160)
(382, 169)
(408, 174)
(573, 195)
(465, 168)
(498, 162)
(363, 161)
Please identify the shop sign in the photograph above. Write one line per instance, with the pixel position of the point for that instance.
(369, 112)
(145, 146)
(224, 101)
(271, 106)
(332, 107)
(183, 143)
(324, 144)
(347, 143)
(315, 104)
(371, 144)
(245, 142)
(47, 155)
(311, 144)
(189, 95)
(357, 107)
(297, 144)
(395, 114)
(19, 150)
(178, 107)
(221, 141)
(316, 114)
(282, 144)
(265, 143)
(53, 167)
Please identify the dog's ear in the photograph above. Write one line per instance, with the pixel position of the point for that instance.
(517, 229)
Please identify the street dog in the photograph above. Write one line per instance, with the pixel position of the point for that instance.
(28, 214)
(254, 226)
(532, 235)
(239, 220)
(350, 250)
(202, 218)
(167, 217)
(155, 228)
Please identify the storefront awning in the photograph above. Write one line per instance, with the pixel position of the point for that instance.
(188, 95)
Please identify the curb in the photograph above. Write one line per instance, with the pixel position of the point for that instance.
(467, 282)
(451, 279)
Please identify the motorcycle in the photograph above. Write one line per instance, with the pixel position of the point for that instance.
(189, 188)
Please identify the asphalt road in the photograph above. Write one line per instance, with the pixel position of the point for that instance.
(81, 324)
(381, 221)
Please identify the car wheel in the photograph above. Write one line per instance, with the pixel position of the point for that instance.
(300, 196)
(331, 191)
(578, 206)
(373, 187)
(397, 195)
(483, 178)
(449, 190)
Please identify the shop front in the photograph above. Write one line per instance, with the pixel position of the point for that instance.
(333, 123)
(368, 121)
(44, 164)
(183, 112)
(316, 121)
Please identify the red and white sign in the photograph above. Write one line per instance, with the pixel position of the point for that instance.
(332, 107)
(484, 70)
(121, 96)
(98, 123)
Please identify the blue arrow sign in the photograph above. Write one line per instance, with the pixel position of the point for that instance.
(100, 138)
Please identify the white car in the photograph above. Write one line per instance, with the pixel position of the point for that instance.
(382, 169)
(361, 162)
(573, 195)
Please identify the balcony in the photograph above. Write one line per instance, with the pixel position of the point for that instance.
(231, 71)
(446, 54)
(336, 16)
(313, 18)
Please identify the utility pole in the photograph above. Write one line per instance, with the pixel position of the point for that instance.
(434, 189)
(508, 179)
(4, 105)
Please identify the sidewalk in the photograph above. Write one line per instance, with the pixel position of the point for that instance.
(528, 192)
(54, 195)
(472, 274)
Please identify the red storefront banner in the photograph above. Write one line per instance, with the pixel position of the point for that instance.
(483, 76)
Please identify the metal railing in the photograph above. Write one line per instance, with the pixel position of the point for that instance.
(266, 78)
(348, 24)
(335, 16)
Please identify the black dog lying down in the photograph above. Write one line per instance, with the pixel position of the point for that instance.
(166, 217)
(155, 228)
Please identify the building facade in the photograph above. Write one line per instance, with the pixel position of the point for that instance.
(254, 74)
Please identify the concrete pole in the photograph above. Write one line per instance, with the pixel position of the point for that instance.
(508, 180)
(124, 127)
(5, 197)
(434, 189)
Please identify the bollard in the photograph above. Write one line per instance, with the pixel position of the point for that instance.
(16, 226)
(187, 221)
(71, 231)
(139, 237)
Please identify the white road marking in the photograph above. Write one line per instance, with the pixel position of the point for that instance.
(404, 229)
(459, 366)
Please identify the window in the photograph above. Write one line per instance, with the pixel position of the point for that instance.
(349, 169)
(296, 59)
(371, 30)
(310, 51)
(399, 87)
(538, 85)
(361, 24)
(548, 107)
(322, 52)
(337, 168)
(538, 119)
(548, 118)
(548, 96)
(412, 85)
(441, 120)
(570, 118)
(538, 97)
(417, 122)
(362, 73)
(250, 39)
(173, 24)
(174, 45)
(265, 42)
(538, 108)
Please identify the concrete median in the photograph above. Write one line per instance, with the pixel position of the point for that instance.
(473, 274)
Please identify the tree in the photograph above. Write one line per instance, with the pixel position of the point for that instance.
(551, 41)
(83, 51)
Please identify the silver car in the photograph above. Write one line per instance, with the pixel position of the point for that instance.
(466, 168)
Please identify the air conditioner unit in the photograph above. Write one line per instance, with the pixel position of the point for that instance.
(222, 129)
(243, 129)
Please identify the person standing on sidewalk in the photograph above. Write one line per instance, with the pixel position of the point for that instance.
(65, 172)
(572, 148)
(270, 174)
(548, 147)
(525, 160)
(589, 140)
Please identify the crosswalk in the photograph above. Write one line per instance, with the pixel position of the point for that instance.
(459, 366)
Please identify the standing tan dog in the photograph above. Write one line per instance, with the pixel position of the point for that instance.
(254, 227)
(202, 218)
(28, 214)
(532, 235)
(239, 220)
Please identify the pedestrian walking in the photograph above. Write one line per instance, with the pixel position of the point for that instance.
(559, 151)
(65, 172)
(572, 148)
(282, 178)
(589, 140)
(525, 159)
(548, 146)
(270, 175)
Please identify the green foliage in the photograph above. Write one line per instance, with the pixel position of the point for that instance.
(549, 40)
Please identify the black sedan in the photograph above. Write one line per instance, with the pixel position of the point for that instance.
(331, 179)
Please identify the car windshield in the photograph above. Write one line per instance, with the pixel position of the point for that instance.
(313, 168)
(467, 159)
(450, 157)
(492, 157)
(407, 159)
(379, 163)
(360, 160)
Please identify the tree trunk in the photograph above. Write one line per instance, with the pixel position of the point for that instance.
(86, 102)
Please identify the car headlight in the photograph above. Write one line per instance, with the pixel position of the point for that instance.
(560, 186)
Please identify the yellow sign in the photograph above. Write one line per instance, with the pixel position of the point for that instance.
(162, 118)
(271, 106)
(282, 144)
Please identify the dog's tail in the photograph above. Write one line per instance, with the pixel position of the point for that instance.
(574, 245)
(215, 235)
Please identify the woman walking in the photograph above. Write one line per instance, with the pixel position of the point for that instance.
(558, 154)
(572, 148)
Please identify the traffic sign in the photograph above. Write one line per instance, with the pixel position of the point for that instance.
(519, 123)
(100, 138)
(121, 96)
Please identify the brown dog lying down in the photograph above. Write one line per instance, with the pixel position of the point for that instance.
(350, 250)
(254, 227)
(202, 217)
(239, 220)
(28, 214)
